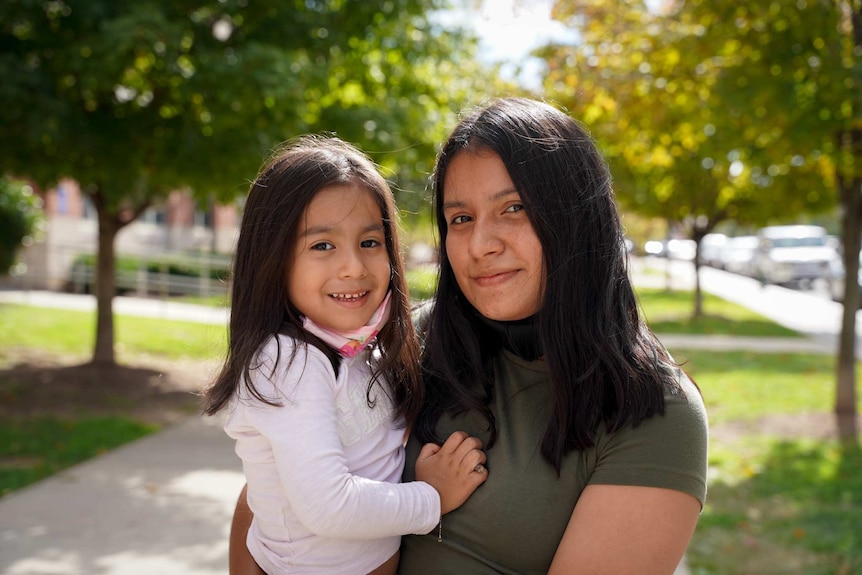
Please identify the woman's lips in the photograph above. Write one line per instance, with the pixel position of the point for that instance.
(490, 279)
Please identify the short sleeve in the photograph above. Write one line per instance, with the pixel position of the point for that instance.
(667, 451)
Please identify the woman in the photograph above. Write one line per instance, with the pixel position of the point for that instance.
(596, 441)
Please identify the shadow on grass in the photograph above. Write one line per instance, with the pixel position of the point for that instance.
(73, 391)
(797, 510)
(719, 325)
(53, 416)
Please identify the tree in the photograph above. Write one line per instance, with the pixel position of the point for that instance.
(778, 82)
(136, 99)
(20, 216)
(645, 82)
(795, 70)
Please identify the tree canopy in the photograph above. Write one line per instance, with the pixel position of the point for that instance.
(650, 85)
(137, 99)
(749, 110)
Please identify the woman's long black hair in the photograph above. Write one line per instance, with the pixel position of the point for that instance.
(260, 308)
(605, 364)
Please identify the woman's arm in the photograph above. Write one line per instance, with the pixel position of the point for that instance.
(240, 561)
(620, 529)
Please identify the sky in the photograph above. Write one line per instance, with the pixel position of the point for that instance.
(509, 29)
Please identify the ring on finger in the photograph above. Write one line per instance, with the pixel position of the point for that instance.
(479, 468)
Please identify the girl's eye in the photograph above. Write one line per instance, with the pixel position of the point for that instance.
(323, 246)
(370, 243)
(460, 220)
(515, 208)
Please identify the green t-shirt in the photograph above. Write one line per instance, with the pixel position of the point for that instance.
(514, 522)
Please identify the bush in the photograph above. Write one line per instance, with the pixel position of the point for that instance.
(20, 217)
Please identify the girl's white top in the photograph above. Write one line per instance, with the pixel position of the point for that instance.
(324, 469)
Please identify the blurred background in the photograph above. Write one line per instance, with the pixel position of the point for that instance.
(130, 131)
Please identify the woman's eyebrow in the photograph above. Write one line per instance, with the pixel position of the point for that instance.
(494, 197)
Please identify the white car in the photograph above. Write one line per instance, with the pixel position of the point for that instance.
(711, 246)
(794, 254)
(738, 255)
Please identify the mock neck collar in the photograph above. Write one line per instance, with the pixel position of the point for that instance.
(521, 337)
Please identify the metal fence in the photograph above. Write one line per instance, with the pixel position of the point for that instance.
(70, 268)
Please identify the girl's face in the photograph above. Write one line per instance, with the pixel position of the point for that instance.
(339, 269)
(490, 242)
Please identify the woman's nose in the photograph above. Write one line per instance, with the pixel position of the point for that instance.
(485, 239)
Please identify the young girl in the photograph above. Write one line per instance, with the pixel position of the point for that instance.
(321, 377)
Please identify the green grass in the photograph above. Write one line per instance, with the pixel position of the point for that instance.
(746, 385)
(775, 504)
(671, 312)
(67, 332)
(421, 282)
(34, 448)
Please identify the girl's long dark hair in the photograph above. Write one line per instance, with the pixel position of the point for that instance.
(259, 305)
(605, 364)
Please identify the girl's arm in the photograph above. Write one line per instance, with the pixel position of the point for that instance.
(622, 529)
(303, 437)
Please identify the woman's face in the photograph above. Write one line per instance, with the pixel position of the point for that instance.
(491, 245)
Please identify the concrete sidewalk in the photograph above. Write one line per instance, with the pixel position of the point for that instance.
(162, 505)
(158, 506)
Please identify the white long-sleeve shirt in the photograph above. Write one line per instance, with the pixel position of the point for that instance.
(324, 469)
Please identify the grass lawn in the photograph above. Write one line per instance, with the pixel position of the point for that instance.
(57, 414)
(72, 333)
(783, 497)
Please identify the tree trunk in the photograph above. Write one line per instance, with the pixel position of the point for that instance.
(850, 187)
(845, 393)
(698, 293)
(105, 289)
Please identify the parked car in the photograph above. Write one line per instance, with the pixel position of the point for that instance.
(675, 249)
(794, 254)
(711, 246)
(738, 255)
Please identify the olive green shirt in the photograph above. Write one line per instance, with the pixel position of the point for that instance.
(514, 522)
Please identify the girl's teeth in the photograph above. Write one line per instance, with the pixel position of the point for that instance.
(347, 296)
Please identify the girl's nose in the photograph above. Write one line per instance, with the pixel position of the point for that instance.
(353, 265)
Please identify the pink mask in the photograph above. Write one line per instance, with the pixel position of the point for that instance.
(351, 343)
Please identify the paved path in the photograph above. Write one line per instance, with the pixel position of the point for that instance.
(162, 505)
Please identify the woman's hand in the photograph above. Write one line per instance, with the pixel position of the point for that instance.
(623, 529)
(455, 469)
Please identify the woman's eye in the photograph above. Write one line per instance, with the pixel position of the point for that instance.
(323, 246)
(460, 220)
(515, 208)
(372, 243)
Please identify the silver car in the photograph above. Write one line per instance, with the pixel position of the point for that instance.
(794, 254)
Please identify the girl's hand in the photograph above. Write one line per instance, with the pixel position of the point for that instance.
(454, 469)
